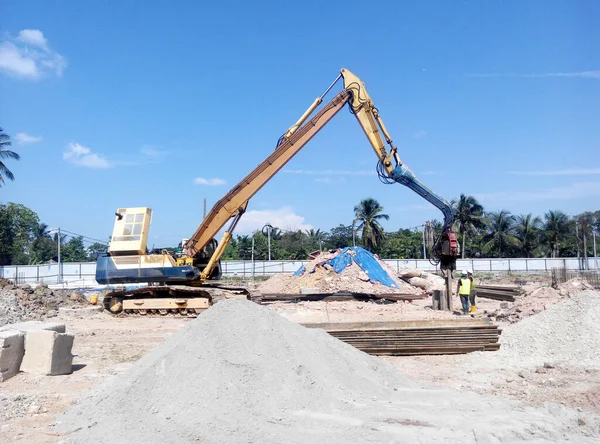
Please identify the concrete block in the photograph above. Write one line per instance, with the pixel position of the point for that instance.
(12, 347)
(35, 326)
(48, 353)
(309, 290)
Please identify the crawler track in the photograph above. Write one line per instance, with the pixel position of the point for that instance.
(169, 300)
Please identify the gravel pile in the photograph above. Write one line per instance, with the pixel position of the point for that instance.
(566, 333)
(23, 303)
(242, 373)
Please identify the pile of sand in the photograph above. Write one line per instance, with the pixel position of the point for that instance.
(567, 333)
(325, 279)
(240, 373)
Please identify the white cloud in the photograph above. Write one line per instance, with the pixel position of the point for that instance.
(580, 74)
(12, 61)
(284, 218)
(419, 134)
(33, 37)
(80, 155)
(572, 191)
(209, 182)
(29, 55)
(331, 172)
(323, 179)
(23, 138)
(565, 172)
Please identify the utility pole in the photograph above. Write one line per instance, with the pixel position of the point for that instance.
(577, 241)
(269, 228)
(204, 216)
(585, 264)
(424, 250)
(252, 257)
(595, 257)
(59, 277)
(353, 235)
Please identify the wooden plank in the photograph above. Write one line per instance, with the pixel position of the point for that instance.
(402, 325)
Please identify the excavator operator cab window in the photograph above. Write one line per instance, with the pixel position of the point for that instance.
(133, 225)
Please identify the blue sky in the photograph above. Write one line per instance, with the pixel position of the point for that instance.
(113, 104)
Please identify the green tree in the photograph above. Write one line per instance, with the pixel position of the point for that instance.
(18, 225)
(315, 238)
(368, 213)
(73, 250)
(556, 230)
(527, 231)
(339, 237)
(295, 245)
(95, 250)
(468, 217)
(43, 248)
(6, 154)
(500, 233)
(244, 247)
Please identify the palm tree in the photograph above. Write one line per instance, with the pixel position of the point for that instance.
(468, 217)
(368, 213)
(6, 154)
(527, 231)
(500, 235)
(556, 229)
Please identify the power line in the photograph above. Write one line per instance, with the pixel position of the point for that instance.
(83, 237)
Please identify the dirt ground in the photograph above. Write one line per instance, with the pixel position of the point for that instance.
(106, 346)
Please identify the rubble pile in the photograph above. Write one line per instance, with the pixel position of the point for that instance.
(538, 300)
(328, 273)
(24, 303)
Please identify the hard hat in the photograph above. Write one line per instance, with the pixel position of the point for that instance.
(464, 272)
(470, 271)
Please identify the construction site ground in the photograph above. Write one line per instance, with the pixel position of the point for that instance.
(107, 346)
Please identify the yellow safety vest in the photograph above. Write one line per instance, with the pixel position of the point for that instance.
(465, 286)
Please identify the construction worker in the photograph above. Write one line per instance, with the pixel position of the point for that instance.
(473, 292)
(463, 289)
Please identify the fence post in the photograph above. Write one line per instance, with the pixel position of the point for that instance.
(37, 275)
(17, 275)
(546, 264)
(490, 265)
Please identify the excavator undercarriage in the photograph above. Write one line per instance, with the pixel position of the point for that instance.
(169, 300)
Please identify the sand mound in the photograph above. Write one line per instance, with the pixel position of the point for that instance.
(242, 373)
(567, 333)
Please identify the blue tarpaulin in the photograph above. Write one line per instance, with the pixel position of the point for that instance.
(361, 257)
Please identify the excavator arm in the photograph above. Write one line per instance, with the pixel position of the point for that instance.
(390, 169)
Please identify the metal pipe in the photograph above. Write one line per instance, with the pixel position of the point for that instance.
(331, 86)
